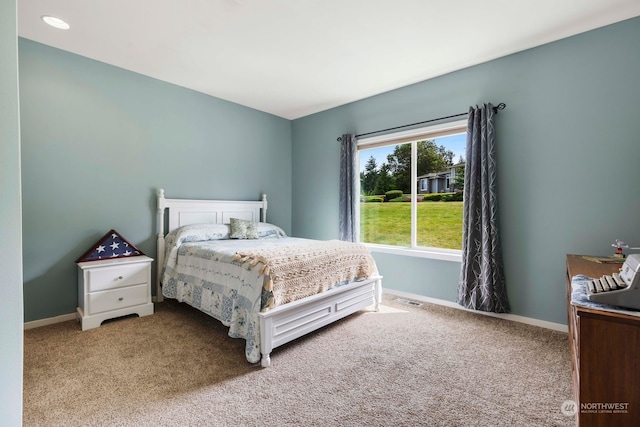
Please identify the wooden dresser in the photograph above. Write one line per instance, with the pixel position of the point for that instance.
(605, 357)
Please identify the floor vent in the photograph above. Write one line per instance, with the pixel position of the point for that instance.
(408, 302)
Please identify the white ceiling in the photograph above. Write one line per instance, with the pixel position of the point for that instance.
(292, 58)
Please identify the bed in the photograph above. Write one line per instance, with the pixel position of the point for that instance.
(261, 284)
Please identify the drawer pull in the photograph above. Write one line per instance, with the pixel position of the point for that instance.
(120, 299)
(120, 277)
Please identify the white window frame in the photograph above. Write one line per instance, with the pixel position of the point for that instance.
(413, 135)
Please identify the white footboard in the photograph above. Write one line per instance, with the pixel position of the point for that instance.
(290, 321)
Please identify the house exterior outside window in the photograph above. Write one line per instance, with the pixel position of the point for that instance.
(440, 182)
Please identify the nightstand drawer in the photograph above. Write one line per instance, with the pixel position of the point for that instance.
(117, 298)
(117, 276)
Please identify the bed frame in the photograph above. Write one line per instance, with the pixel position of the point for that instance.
(283, 323)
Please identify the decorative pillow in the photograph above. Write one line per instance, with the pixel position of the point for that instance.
(269, 231)
(243, 229)
(197, 233)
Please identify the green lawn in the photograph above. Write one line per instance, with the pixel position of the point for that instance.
(439, 224)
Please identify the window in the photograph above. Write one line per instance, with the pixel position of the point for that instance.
(411, 191)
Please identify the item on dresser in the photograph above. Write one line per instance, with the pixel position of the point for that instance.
(619, 288)
(113, 288)
(268, 290)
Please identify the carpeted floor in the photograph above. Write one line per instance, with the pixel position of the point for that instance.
(402, 366)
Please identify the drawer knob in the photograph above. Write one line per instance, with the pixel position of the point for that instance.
(120, 299)
(120, 277)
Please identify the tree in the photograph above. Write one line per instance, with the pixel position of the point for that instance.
(369, 177)
(431, 158)
(385, 181)
(458, 181)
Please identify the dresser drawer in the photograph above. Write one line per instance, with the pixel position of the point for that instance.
(117, 298)
(117, 276)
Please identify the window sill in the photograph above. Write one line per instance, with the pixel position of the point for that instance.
(430, 253)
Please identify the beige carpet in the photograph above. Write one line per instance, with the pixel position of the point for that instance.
(402, 366)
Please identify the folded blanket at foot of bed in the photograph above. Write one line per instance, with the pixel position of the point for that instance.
(298, 271)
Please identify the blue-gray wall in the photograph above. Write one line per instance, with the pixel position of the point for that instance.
(97, 141)
(10, 223)
(568, 160)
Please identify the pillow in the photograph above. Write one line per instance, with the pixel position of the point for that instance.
(197, 232)
(243, 229)
(269, 231)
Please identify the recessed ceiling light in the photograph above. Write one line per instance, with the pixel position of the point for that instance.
(56, 22)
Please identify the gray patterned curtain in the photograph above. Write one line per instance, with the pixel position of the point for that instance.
(482, 285)
(348, 196)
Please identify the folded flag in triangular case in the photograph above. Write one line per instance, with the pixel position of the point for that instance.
(111, 245)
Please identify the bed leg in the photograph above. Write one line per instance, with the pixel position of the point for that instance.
(266, 339)
(378, 295)
(266, 360)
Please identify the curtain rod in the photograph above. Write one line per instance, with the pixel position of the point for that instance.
(500, 106)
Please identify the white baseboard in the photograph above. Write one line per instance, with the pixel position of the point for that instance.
(528, 320)
(49, 321)
(57, 319)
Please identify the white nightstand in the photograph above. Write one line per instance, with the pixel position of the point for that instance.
(113, 288)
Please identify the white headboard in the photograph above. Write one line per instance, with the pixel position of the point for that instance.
(184, 212)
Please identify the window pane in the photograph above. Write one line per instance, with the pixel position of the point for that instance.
(385, 174)
(440, 184)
